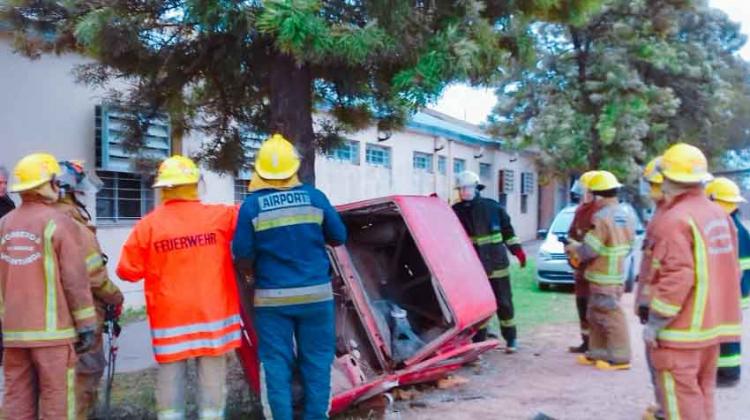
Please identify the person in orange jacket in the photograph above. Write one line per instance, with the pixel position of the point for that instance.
(75, 183)
(725, 193)
(694, 307)
(46, 298)
(646, 271)
(578, 228)
(182, 249)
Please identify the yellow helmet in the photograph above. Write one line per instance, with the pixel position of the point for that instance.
(603, 181)
(724, 189)
(177, 170)
(585, 179)
(684, 163)
(651, 173)
(33, 171)
(277, 159)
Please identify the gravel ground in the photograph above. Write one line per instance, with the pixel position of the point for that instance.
(544, 378)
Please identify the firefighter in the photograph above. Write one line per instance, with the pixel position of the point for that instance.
(694, 305)
(645, 277)
(490, 229)
(579, 226)
(282, 231)
(75, 184)
(46, 298)
(727, 194)
(604, 249)
(182, 250)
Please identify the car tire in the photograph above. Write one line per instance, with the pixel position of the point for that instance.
(543, 286)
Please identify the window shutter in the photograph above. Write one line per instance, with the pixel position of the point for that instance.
(111, 128)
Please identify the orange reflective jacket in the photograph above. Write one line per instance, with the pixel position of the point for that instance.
(695, 273)
(182, 251)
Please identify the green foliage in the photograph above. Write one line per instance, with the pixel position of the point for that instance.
(617, 90)
(215, 65)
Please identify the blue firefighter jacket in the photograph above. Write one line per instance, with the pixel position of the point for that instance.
(284, 233)
(743, 237)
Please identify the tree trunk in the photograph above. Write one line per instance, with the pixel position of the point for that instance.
(291, 110)
(582, 45)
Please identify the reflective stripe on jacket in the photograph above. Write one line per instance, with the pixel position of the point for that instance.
(283, 234)
(695, 283)
(182, 249)
(45, 290)
(103, 289)
(490, 229)
(607, 245)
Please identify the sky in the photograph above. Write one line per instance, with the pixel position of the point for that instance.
(474, 104)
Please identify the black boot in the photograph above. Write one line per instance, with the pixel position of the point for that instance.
(583, 348)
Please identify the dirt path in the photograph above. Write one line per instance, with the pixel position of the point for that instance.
(544, 378)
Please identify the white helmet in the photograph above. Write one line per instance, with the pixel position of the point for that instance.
(468, 179)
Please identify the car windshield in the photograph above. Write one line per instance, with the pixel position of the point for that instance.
(562, 223)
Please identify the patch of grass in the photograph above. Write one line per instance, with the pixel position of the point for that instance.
(134, 394)
(536, 307)
(130, 315)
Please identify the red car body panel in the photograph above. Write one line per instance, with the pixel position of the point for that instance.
(457, 276)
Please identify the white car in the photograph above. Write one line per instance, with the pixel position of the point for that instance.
(552, 266)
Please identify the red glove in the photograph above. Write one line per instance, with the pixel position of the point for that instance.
(117, 311)
(518, 252)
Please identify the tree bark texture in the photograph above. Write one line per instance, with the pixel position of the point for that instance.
(291, 109)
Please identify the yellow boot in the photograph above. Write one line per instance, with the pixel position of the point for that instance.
(585, 361)
(604, 365)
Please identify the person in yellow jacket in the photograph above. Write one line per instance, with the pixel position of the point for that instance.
(603, 251)
(74, 184)
(726, 193)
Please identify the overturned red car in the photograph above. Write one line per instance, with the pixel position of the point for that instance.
(410, 293)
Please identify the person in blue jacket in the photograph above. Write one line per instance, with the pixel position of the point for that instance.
(280, 243)
(727, 194)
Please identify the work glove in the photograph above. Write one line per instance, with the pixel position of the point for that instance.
(86, 340)
(643, 314)
(518, 252)
(112, 315)
(650, 333)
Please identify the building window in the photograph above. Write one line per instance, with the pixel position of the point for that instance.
(527, 183)
(506, 183)
(123, 197)
(442, 165)
(240, 189)
(459, 165)
(485, 171)
(423, 161)
(504, 186)
(348, 151)
(527, 188)
(378, 155)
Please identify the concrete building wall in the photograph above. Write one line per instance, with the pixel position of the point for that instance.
(44, 109)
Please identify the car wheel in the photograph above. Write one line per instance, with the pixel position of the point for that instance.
(543, 286)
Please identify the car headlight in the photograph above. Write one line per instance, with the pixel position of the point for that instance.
(544, 255)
